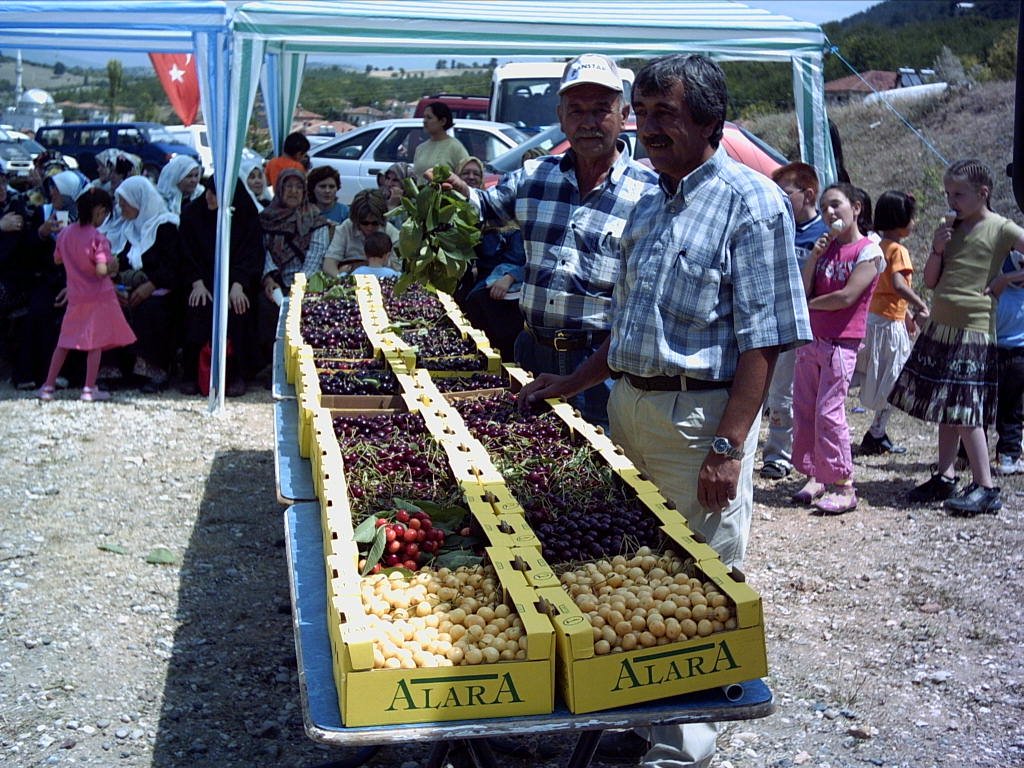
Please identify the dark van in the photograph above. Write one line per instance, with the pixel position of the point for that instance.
(462, 107)
(150, 141)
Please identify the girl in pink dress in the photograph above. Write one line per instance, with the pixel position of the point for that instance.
(93, 321)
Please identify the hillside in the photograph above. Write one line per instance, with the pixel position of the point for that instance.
(881, 152)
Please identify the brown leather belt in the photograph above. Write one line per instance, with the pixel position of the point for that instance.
(567, 340)
(671, 383)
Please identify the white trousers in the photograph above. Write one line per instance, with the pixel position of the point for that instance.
(667, 435)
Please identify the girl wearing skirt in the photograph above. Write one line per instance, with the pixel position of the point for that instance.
(950, 377)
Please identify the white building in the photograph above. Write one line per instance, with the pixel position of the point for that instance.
(35, 107)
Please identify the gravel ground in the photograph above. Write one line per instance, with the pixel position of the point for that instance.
(894, 633)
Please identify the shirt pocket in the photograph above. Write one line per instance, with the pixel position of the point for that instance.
(691, 294)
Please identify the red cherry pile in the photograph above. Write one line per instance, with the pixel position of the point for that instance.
(412, 539)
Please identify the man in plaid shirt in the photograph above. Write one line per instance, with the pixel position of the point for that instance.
(571, 210)
(708, 296)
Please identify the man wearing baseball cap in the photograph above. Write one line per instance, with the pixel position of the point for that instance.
(571, 209)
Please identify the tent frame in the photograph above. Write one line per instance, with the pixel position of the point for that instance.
(239, 45)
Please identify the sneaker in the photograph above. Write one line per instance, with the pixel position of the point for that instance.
(974, 500)
(1006, 465)
(876, 446)
(775, 470)
(936, 488)
(94, 395)
(838, 501)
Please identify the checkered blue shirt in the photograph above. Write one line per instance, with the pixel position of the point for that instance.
(572, 245)
(709, 273)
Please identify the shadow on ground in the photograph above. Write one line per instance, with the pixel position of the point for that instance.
(231, 696)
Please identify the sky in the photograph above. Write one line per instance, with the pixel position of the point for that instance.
(816, 11)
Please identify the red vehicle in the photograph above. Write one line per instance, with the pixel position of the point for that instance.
(462, 107)
(740, 145)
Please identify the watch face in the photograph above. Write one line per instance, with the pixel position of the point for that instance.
(720, 445)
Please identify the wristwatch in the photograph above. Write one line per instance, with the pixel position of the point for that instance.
(723, 447)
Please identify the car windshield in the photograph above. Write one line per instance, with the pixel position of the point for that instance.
(11, 150)
(515, 134)
(543, 141)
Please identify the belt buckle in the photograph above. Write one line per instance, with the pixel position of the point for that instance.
(561, 342)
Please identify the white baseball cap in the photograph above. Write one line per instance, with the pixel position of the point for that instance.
(593, 68)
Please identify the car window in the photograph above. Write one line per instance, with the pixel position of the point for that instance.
(130, 137)
(95, 137)
(351, 148)
(480, 143)
(51, 138)
(399, 145)
(159, 133)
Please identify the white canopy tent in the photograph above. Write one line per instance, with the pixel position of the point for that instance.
(235, 41)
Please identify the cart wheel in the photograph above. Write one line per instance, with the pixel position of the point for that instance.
(357, 758)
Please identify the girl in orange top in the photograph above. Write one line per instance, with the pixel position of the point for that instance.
(887, 341)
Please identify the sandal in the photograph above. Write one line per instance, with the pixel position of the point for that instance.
(810, 493)
(94, 394)
(45, 392)
(836, 502)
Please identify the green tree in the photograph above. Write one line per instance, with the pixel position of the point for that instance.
(1002, 57)
(115, 83)
(59, 69)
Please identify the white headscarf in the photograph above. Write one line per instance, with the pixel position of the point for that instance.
(139, 192)
(177, 169)
(247, 166)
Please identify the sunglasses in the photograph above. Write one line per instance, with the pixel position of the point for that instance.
(372, 223)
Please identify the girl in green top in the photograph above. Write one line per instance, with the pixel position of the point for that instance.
(950, 377)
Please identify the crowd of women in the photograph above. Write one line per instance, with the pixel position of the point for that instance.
(115, 290)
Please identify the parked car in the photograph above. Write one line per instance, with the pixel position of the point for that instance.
(15, 161)
(33, 147)
(739, 143)
(150, 141)
(195, 136)
(359, 155)
(462, 107)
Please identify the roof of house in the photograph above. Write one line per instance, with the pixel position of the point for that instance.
(879, 81)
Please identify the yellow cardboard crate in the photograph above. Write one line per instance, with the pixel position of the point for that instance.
(497, 495)
(469, 462)
(325, 455)
(507, 531)
(695, 544)
(336, 517)
(528, 563)
(591, 683)
(368, 696)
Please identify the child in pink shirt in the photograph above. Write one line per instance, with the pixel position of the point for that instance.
(839, 276)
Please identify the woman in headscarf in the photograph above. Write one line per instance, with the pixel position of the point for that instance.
(179, 184)
(45, 280)
(295, 239)
(198, 230)
(367, 214)
(150, 274)
(393, 187)
(255, 181)
(125, 165)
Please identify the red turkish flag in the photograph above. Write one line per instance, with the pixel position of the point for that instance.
(177, 73)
